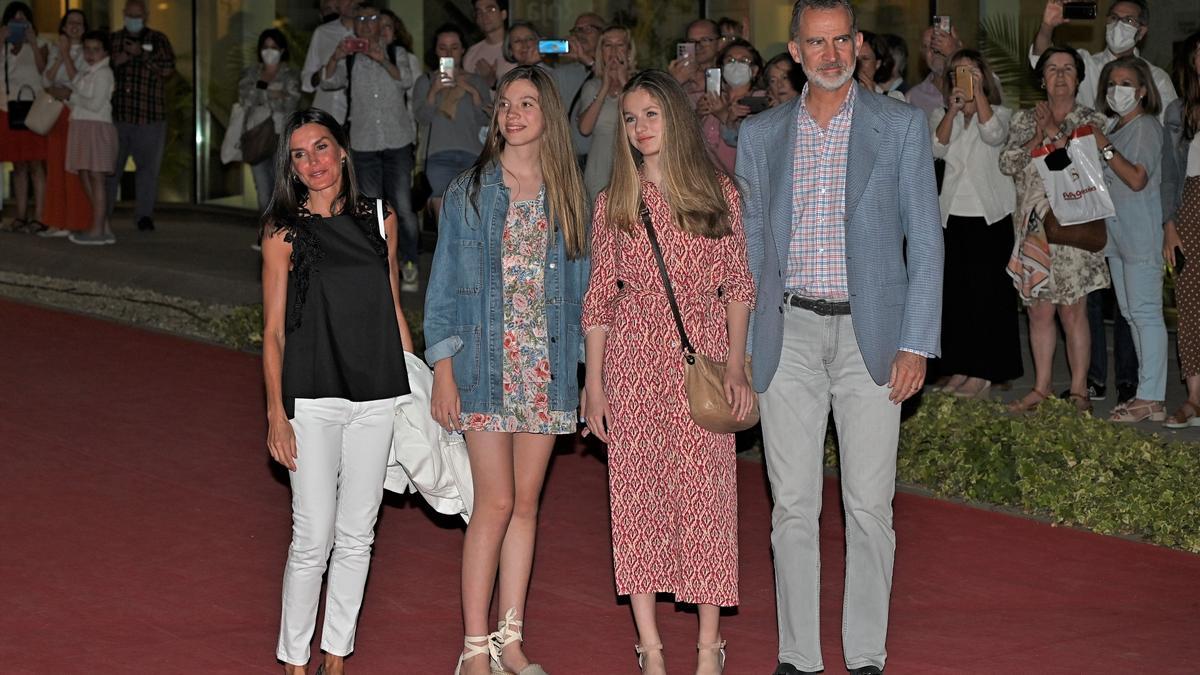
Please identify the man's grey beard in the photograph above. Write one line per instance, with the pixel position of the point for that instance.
(828, 85)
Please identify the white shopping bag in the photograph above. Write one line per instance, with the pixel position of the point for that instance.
(231, 145)
(1074, 179)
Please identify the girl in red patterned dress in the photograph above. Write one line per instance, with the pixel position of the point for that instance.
(672, 485)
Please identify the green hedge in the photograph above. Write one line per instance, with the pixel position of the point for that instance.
(1075, 470)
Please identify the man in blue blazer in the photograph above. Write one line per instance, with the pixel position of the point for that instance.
(845, 244)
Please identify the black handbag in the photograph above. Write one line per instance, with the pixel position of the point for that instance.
(18, 108)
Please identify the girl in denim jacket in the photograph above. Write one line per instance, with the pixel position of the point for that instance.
(502, 318)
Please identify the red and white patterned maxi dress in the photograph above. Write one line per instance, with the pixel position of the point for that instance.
(672, 485)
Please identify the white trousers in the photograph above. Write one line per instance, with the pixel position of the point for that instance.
(342, 450)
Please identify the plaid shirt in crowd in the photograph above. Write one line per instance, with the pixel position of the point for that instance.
(817, 253)
(138, 96)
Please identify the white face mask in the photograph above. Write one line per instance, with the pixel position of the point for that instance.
(1121, 99)
(736, 73)
(1120, 37)
(270, 57)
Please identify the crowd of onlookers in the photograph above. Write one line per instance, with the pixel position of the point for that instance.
(73, 112)
(993, 200)
(403, 112)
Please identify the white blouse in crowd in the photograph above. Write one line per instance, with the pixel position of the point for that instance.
(1193, 157)
(60, 74)
(973, 184)
(91, 93)
(21, 78)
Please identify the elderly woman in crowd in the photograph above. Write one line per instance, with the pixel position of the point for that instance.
(521, 45)
(616, 61)
(1131, 147)
(453, 104)
(1181, 208)
(1051, 278)
(784, 79)
(980, 341)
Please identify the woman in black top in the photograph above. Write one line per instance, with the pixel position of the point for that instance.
(334, 339)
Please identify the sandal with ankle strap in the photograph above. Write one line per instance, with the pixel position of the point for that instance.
(645, 650)
(1188, 415)
(719, 646)
(1127, 413)
(478, 645)
(508, 632)
(1082, 403)
(1021, 405)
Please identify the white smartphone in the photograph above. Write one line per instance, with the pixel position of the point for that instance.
(712, 81)
(446, 67)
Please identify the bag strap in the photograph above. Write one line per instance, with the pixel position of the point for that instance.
(666, 279)
(379, 217)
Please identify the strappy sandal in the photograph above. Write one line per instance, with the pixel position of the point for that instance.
(720, 649)
(642, 651)
(1128, 413)
(509, 632)
(16, 225)
(1083, 404)
(1188, 415)
(1024, 404)
(478, 645)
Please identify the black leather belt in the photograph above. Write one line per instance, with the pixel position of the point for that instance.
(818, 307)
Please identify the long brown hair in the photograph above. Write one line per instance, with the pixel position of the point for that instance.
(690, 184)
(290, 194)
(566, 199)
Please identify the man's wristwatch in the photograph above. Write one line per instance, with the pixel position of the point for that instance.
(1107, 153)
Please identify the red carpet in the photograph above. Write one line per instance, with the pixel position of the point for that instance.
(143, 530)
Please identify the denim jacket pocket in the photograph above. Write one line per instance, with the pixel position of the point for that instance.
(470, 266)
(466, 361)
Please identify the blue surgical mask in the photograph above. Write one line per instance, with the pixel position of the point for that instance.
(134, 25)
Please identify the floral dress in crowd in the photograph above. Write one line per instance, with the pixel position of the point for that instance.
(526, 364)
(1072, 272)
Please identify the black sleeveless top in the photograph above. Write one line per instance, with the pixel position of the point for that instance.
(342, 337)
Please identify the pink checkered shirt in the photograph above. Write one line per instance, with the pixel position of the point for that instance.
(817, 254)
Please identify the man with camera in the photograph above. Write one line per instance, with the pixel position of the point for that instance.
(381, 128)
(1127, 24)
(142, 60)
(325, 39)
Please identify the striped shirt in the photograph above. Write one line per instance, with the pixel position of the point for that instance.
(816, 265)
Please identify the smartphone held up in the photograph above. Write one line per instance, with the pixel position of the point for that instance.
(1079, 10)
(554, 47)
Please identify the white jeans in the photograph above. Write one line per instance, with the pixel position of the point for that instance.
(342, 450)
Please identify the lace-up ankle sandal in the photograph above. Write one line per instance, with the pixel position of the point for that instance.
(508, 632)
(478, 645)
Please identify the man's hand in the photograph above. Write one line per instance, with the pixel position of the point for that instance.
(908, 376)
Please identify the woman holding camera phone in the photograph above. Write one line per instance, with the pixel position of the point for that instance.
(452, 103)
(616, 60)
(980, 339)
(740, 65)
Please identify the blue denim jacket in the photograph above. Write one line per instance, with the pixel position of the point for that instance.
(464, 304)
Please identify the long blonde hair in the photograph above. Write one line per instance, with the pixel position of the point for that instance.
(690, 183)
(566, 199)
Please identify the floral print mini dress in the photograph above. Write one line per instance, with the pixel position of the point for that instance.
(526, 365)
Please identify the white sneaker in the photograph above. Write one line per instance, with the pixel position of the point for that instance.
(86, 239)
(408, 278)
(54, 233)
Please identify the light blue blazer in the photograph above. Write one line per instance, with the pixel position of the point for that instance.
(894, 250)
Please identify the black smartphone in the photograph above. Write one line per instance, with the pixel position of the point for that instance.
(756, 104)
(1180, 261)
(1080, 10)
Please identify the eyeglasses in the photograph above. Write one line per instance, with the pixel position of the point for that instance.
(1127, 20)
(523, 41)
(364, 18)
(585, 30)
(706, 40)
(480, 11)
(746, 60)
